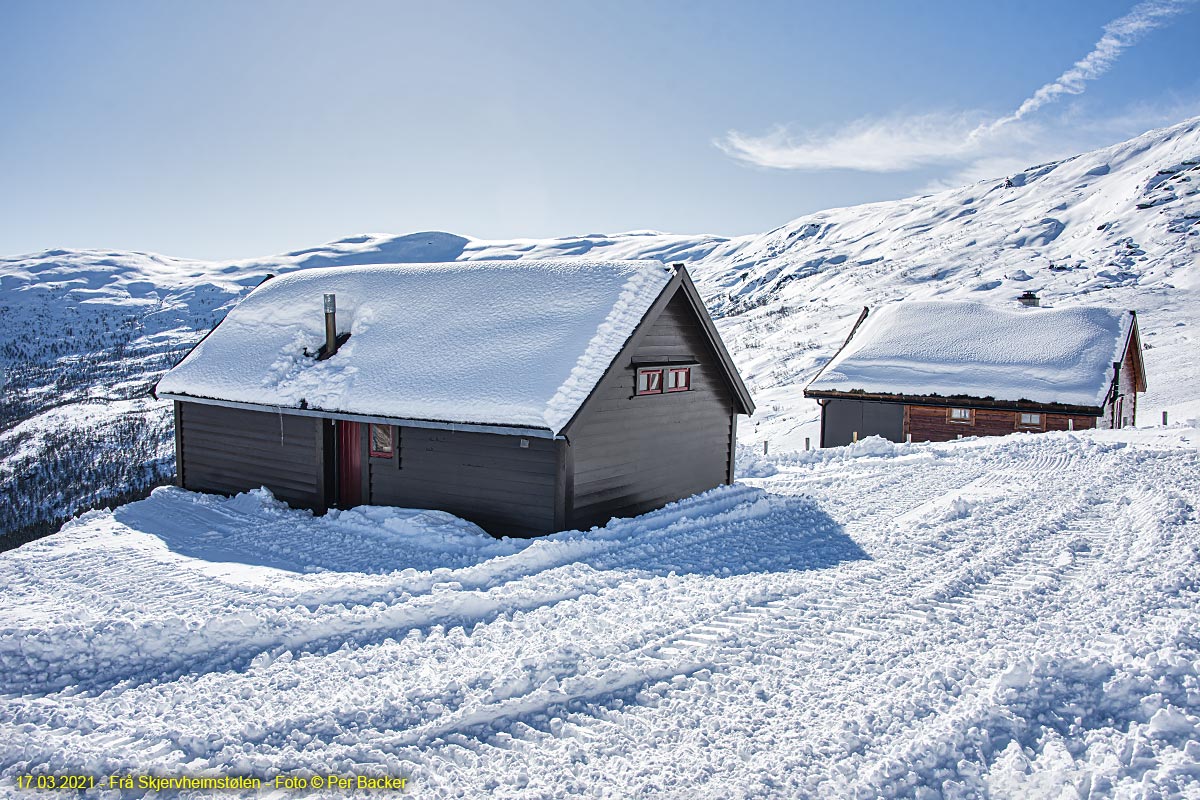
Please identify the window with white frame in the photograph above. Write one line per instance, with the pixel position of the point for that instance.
(679, 379)
(1030, 420)
(649, 381)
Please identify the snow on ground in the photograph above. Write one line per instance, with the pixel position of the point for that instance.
(1118, 227)
(1009, 617)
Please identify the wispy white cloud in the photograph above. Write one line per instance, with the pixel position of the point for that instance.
(901, 143)
(871, 145)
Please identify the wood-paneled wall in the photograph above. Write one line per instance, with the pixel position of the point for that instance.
(506, 489)
(635, 453)
(230, 450)
(932, 423)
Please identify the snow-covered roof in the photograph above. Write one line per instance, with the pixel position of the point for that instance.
(510, 343)
(1043, 355)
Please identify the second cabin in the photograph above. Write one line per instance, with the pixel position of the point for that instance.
(935, 371)
(525, 396)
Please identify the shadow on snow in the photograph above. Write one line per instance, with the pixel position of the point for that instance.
(728, 531)
(731, 530)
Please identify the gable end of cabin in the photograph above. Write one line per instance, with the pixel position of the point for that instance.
(662, 422)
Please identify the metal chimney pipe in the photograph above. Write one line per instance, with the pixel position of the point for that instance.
(331, 344)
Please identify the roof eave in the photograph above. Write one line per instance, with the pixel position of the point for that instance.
(862, 315)
(154, 389)
(956, 401)
(1133, 343)
(741, 392)
(380, 419)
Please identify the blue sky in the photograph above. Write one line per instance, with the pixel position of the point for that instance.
(233, 129)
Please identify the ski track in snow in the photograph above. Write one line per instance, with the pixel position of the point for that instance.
(1009, 617)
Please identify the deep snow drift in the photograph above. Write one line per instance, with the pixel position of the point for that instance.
(1010, 617)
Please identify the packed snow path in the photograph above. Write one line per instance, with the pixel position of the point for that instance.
(1011, 617)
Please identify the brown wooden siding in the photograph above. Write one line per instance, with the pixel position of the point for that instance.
(635, 453)
(932, 423)
(488, 479)
(231, 450)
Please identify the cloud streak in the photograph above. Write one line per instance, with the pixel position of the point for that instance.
(908, 142)
(869, 145)
(1119, 35)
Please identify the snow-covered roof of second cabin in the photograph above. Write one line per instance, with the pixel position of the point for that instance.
(954, 349)
(504, 343)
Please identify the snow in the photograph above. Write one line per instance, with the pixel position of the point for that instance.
(1118, 227)
(992, 617)
(1006, 617)
(1061, 355)
(490, 342)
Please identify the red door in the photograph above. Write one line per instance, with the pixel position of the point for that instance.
(349, 464)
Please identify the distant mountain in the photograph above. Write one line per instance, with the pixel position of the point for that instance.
(84, 334)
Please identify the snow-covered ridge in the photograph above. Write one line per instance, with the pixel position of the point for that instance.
(84, 334)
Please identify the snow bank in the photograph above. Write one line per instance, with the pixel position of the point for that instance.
(1002, 617)
(488, 342)
(1061, 355)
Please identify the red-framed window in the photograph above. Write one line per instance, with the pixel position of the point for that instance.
(383, 442)
(679, 379)
(649, 381)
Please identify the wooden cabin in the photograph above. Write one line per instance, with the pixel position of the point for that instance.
(935, 371)
(525, 396)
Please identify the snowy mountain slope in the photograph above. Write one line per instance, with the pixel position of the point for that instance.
(1118, 227)
(1008, 617)
(84, 334)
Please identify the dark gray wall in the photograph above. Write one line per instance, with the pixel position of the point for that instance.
(230, 450)
(841, 418)
(489, 479)
(633, 453)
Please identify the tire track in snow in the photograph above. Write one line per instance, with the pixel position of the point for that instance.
(743, 506)
(1052, 578)
(892, 757)
(172, 643)
(677, 654)
(660, 660)
(836, 614)
(751, 629)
